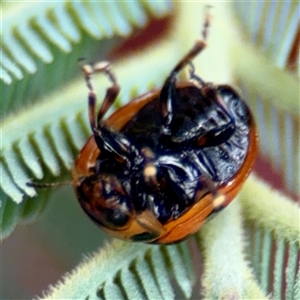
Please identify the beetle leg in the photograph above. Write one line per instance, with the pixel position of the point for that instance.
(111, 93)
(117, 145)
(105, 138)
(168, 91)
(220, 133)
(198, 47)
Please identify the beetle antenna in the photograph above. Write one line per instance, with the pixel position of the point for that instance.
(49, 185)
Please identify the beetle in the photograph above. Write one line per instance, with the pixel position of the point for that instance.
(164, 163)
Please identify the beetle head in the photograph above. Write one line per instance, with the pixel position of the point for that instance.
(104, 200)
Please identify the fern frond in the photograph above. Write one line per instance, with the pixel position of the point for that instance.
(43, 41)
(273, 230)
(258, 76)
(269, 74)
(272, 27)
(31, 30)
(129, 271)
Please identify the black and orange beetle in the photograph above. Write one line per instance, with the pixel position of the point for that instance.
(159, 166)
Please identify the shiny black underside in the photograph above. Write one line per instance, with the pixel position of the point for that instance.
(209, 139)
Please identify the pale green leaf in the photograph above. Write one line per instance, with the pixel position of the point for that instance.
(125, 270)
